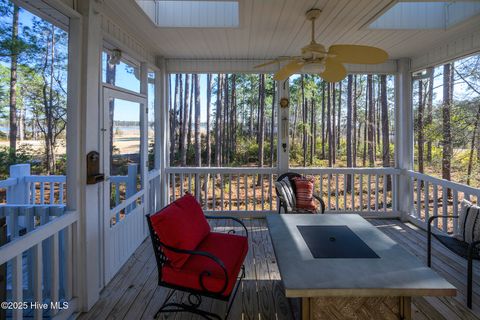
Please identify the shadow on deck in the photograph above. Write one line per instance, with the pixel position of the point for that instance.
(133, 293)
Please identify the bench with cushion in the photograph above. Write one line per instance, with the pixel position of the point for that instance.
(464, 243)
(192, 258)
(292, 200)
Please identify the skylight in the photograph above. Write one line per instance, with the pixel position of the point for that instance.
(426, 15)
(192, 13)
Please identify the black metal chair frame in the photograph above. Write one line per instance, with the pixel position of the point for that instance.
(290, 176)
(194, 296)
(470, 252)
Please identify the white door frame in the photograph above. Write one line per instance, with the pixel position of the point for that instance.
(114, 255)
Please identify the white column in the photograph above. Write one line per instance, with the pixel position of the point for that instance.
(144, 139)
(91, 210)
(163, 118)
(404, 136)
(283, 146)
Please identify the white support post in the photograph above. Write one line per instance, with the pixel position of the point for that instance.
(89, 269)
(19, 193)
(283, 146)
(404, 136)
(162, 116)
(144, 139)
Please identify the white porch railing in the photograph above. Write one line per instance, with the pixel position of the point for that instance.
(371, 191)
(433, 196)
(40, 268)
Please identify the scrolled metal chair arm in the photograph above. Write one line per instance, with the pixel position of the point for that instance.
(205, 272)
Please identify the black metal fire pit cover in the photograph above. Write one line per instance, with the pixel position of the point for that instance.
(335, 242)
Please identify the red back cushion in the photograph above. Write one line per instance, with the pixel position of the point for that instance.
(181, 225)
(304, 193)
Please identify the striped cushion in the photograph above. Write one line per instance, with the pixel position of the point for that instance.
(304, 195)
(468, 222)
(285, 193)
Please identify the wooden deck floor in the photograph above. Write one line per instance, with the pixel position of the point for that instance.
(133, 293)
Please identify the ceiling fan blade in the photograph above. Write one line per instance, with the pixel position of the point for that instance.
(358, 54)
(334, 71)
(276, 60)
(289, 69)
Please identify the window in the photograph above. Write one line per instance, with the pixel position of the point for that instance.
(192, 13)
(123, 74)
(33, 118)
(319, 115)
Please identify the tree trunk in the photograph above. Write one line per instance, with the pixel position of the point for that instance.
(420, 138)
(329, 126)
(472, 146)
(385, 122)
(323, 119)
(447, 137)
(354, 124)
(365, 128)
(190, 116)
(334, 131)
(339, 116)
(261, 124)
(181, 124)
(209, 101)
(186, 113)
(198, 161)
(233, 118)
(312, 133)
(348, 141)
(12, 135)
(304, 119)
(272, 128)
(218, 124)
(173, 132)
(429, 119)
(225, 128)
(371, 129)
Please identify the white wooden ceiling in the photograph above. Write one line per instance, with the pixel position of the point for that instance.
(271, 28)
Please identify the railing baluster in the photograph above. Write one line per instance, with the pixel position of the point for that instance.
(321, 185)
(444, 206)
(385, 190)
(214, 193)
(238, 192)
(182, 181)
(455, 208)
(42, 192)
(174, 189)
(60, 190)
(262, 195)
(270, 194)
(17, 286)
(222, 199)
(190, 183)
(419, 198)
(37, 284)
(329, 190)
(33, 192)
(254, 183)
(246, 191)
(230, 192)
(435, 204)
(345, 192)
(369, 192)
(426, 197)
(52, 192)
(352, 191)
(336, 193)
(376, 193)
(361, 191)
(55, 272)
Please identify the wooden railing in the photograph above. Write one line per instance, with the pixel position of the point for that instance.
(41, 267)
(371, 191)
(433, 196)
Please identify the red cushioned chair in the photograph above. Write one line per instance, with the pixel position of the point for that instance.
(192, 258)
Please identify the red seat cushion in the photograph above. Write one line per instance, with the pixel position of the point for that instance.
(230, 249)
(181, 225)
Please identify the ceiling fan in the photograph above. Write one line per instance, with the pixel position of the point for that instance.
(328, 64)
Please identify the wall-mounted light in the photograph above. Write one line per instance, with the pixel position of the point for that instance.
(284, 106)
(115, 57)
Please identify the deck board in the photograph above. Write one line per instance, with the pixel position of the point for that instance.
(133, 293)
